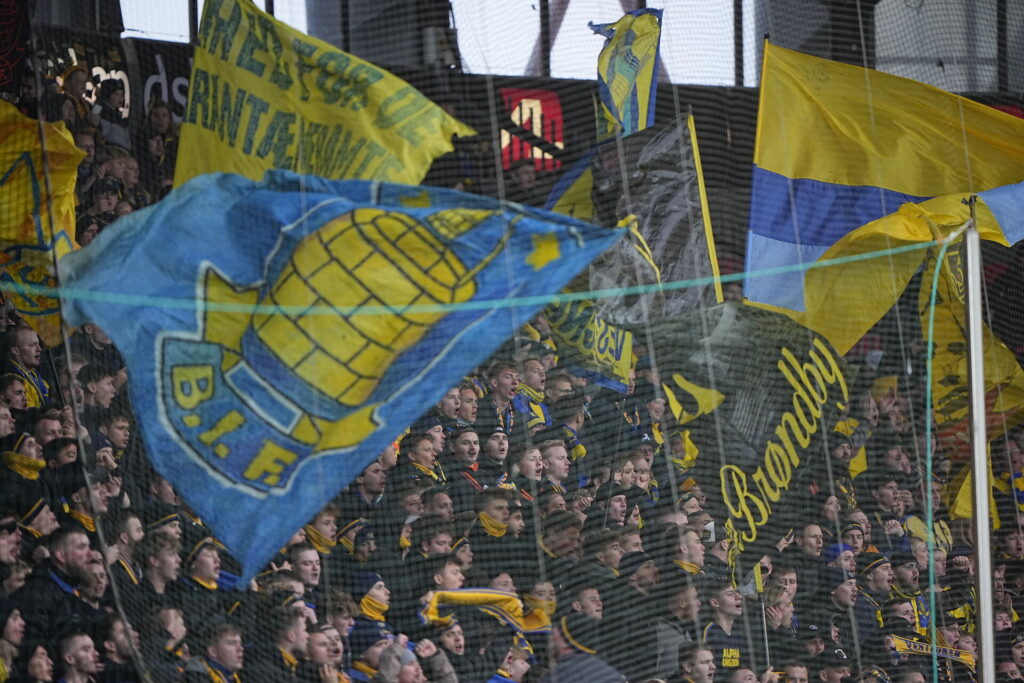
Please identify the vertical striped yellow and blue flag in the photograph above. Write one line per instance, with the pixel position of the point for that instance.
(627, 73)
(839, 146)
(38, 167)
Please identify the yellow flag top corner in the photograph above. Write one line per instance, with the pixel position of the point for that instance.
(37, 214)
(263, 95)
(846, 125)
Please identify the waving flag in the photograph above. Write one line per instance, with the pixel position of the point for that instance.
(839, 146)
(627, 73)
(36, 214)
(263, 95)
(870, 286)
(280, 334)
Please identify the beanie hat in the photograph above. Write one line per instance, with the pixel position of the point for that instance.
(362, 583)
(836, 576)
(583, 633)
(630, 562)
(868, 562)
(835, 550)
(365, 634)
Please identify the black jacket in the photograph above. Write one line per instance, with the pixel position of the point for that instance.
(50, 605)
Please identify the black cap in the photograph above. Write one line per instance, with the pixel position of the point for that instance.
(807, 631)
(156, 514)
(107, 184)
(365, 634)
(837, 575)
(425, 424)
(833, 657)
(868, 562)
(630, 562)
(900, 558)
(609, 490)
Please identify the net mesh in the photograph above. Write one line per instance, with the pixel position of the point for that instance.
(629, 471)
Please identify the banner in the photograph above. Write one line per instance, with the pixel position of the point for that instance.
(839, 146)
(912, 647)
(280, 334)
(627, 73)
(589, 346)
(758, 395)
(263, 96)
(37, 214)
(654, 176)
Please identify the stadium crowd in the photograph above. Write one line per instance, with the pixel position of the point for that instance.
(529, 526)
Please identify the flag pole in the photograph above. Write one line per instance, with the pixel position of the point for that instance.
(979, 457)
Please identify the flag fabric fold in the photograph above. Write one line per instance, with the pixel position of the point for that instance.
(263, 95)
(37, 214)
(280, 334)
(627, 73)
(869, 288)
(839, 146)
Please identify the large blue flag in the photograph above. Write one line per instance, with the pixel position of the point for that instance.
(280, 334)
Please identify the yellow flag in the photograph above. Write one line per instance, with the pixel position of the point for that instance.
(37, 214)
(867, 288)
(263, 95)
(1004, 378)
(627, 73)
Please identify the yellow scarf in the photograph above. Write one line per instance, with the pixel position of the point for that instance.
(437, 474)
(370, 672)
(404, 542)
(289, 659)
(128, 570)
(372, 608)
(209, 585)
(545, 606)
(322, 543)
(23, 465)
(85, 520)
(531, 393)
(492, 526)
(688, 567)
(34, 533)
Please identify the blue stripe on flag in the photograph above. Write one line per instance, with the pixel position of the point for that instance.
(1005, 203)
(824, 213)
(786, 289)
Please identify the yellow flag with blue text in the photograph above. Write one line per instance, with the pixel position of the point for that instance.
(37, 214)
(627, 73)
(263, 95)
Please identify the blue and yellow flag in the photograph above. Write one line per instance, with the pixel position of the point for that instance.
(37, 214)
(279, 334)
(839, 146)
(263, 96)
(869, 287)
(627, 73)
